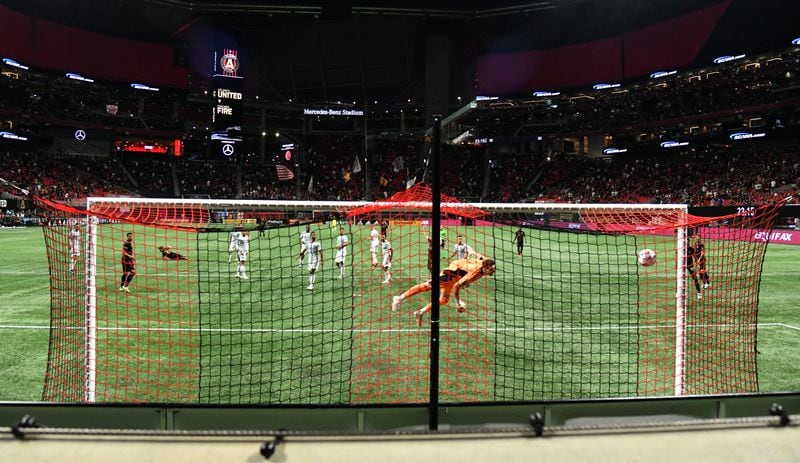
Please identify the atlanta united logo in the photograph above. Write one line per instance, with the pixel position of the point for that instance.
(229, 63)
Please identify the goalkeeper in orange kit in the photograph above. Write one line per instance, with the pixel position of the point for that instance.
(459, 274)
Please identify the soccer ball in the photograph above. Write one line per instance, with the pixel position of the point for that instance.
(646, 257)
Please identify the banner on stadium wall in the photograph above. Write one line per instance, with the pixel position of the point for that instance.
(240, 221)
(404, 222)
(444, 222)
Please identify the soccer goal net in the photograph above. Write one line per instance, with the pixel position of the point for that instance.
(315, 303)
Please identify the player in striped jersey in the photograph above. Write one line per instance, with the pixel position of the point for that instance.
(74, 247)
(242, 252)
(314, 249)
(461, 250)
(374, 245)
(388, 254)
(233, 242)
(305, 239)
(341, 252)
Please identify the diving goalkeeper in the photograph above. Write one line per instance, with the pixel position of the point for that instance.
(459, 274)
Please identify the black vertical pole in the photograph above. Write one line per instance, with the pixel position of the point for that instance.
(367, 189)
(435, 267)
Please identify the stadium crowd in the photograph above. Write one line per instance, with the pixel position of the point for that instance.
(333, 166)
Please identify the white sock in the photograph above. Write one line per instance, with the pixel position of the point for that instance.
(241, 269)
(341, 270)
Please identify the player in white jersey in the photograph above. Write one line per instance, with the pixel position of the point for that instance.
(388, 254)
(341, 252)
(314, 259)
(460, 249)
(74, 246)
(305, 239)
(242, 252)
(233, 242)
(374, 244)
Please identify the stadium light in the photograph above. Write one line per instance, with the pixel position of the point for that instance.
(12, 136)
(726, 58)
(144, 87)
(660, 74)
(542, 93)
(14, 63)
(73, 76)
(615, 150)
(746, 135)
(673, 144)
(796, 41)
(486, 98)
(604, 86)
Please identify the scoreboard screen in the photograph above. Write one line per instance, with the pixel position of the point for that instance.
(226, 110)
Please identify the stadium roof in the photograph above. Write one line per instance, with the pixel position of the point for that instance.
(364, 50)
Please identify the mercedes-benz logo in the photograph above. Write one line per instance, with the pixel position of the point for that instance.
(80, 135)
(227, 149)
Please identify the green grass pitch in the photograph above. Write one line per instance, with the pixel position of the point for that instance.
(316, 320)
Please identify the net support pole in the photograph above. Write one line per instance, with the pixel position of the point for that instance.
(91, 309)
(680, 313)
(436, 207)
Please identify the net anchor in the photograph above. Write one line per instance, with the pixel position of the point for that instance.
(537, 423)
(776, 409)
(268, 448)
(26, 421)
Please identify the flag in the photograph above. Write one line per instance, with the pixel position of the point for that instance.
(311, 184)
(397, 164)
(283, 172)
(356, 165)
(383, 181)
(411, 182)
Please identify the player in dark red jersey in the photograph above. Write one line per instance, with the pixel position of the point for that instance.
(519, 238)
(128, 264)
(700, 261)
(690, 267)
(385, 228)
(168, 254)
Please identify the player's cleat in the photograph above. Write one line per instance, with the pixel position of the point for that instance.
(461, 306)
(706, 286)
(386, 281)
(244, 277)
(310, 287)
(699, 296)
(238, 276)
(395, 303)
(121, 288)
(127, 290)
(418, 316)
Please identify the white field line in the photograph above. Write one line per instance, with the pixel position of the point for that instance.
(392, 330)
